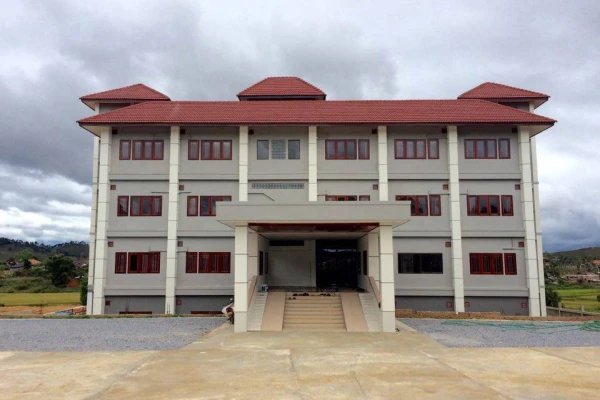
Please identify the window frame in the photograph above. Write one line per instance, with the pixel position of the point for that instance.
(503, 140)
(341, 198)
(414, 199)
(507, 257)
(212, 209)
(335, 149)
(420, 257)
(195, 212)
(191, 262)
(437, 147)
(358, 152)
(511, 211)
(195, 142)
(121, 143)
(153, 212)
(479, 268)
(288, 149)
(121, 213)
(144, 156)
(477, 213)
(143, 269)
(268, 150)
(404, 155)
(486, 156)
(439, 201)
(364, 197)
(123, 268)
(211, 156)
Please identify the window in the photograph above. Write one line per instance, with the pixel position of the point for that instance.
(364, 198)
(435, 206)
(364, 151)
(507, 205)
(486, 264)
(209, 263)
(216, 149)
(293, 149)
(191, 263)
(148, 149)
(365, 262)
(262, 149)
(410, 149)
(125, 150)
(193, 149)
(208, 205)
(123, 206)
(278, 149)
(418, 204)
(510, 263)
(146, 206)
(344, 149)
(340, 198)
(192, 206)
(483, 205)
(261, 263)
(420, 263)
(504, 148)
(480, 149)
(433, 149)
(144, 263)
(120, 263)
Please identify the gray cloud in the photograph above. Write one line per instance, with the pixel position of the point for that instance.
(191, 50)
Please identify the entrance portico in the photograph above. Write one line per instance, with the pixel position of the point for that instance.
(315, 221)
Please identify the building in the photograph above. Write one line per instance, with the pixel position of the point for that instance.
(420, 204)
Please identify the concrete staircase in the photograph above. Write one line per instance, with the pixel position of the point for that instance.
(256, 311)
(371, 311)
(313, 313)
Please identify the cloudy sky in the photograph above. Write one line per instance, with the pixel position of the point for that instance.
(51, 53)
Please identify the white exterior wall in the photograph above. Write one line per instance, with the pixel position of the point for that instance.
(172, 221)
(93, 221)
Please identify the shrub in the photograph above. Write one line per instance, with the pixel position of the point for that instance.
(83, 291)
(598, 297)
(552, 297)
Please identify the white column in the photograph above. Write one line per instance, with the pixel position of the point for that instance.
(243, 158)
(531, 265)
(373, 253)
(386, 276)
(312, 163)
(252, 254)
(455, 226)
(172, 220)
(241, 279)
(101, 261)
(382, 157)
(93, 219)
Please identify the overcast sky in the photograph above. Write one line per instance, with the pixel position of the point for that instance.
(51, 53)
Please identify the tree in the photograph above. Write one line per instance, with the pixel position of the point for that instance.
(552, 297)
(24, 256)
(61, 269)
(83, 291)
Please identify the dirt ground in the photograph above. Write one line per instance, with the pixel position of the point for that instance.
(401, 313)
(28, 310)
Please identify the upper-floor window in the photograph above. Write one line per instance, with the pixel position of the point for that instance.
(416, 149)
(278, 149)
(489, 205)
(208, 263)
(206, 204)
(492, 263)
(348, 198)
(193, 149)
(137, 263)
(345, 149)
(419, 205)
(420, 263)
(142, 150)
(487, 148)
(139, 206)
(216, 149)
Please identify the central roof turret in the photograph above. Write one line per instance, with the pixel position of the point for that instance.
(282, 88)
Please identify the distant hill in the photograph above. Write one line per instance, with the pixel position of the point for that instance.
(588, 251)
(41, 251)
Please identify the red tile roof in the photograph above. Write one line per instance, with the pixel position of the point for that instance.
(299, 112)
(490, 90)
(134, 92)
(282, 86)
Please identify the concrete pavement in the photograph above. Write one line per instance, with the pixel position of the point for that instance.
(305, 365)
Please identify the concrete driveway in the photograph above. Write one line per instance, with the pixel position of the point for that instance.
(298, 365)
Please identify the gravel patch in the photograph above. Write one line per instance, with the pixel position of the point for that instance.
(129, 334)
(478, 333)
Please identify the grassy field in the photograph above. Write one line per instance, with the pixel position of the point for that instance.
(573, 298)
(25, 299)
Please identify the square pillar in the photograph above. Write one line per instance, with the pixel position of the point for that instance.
(312, 163)
(243, 164)
(538, 227)
(382, 161)
(252, 254)
(172, 220)
(373, 253)
(93, 220)
(241, 278)
(386, 277)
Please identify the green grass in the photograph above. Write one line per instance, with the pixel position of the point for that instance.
(573, 298)
(25, 299)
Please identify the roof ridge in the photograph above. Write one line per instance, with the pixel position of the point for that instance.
(278, 79)
(125, 88)
(524, 92)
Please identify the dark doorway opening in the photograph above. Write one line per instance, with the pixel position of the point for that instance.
(337, 264)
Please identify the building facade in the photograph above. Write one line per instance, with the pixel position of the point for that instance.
(425, 204)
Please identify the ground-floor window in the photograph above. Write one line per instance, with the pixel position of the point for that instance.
(493, 263)
(348, 198)
(208, 263)
(420, 263)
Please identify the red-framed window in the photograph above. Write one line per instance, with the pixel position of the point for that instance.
(341, 198)
(481, 149)
(507, 205)
(145, 206)
(125, 150)
(410, 149)
(418, 205)
(510, 263)
(148, 149)
(504, 148)
(340, 149)
(120, 263)
(144, 263)
(193, 149)
(364, 149)
(122, 206)
(483, 205)
(433, 149)
(208, 205)
(216, 150)
(191, 263)
(192, 206)
(364, 198)
(486, 264)
(435, 205)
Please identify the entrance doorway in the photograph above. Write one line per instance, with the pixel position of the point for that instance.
(337, 264)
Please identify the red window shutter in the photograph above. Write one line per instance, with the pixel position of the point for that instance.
(191, 263)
